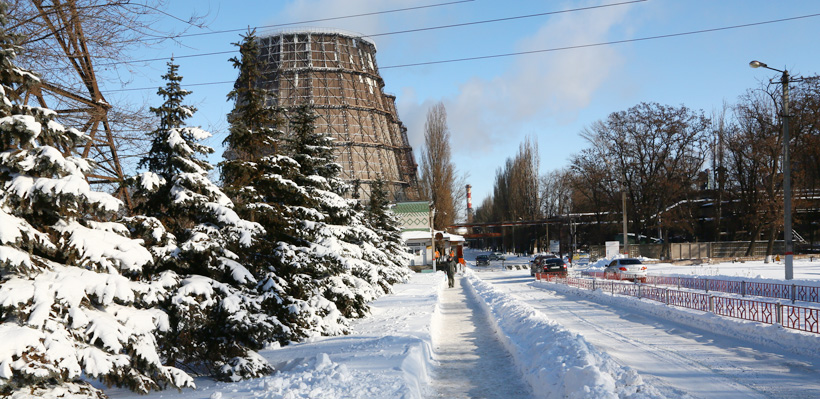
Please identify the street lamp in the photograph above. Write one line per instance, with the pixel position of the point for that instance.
(626, 236)
(787, 189)
(432, 234)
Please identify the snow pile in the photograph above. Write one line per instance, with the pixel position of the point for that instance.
(555, 362)
(317, 377)
(387, 355)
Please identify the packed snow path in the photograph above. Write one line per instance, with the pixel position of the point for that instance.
(673, 357)
(473, 363)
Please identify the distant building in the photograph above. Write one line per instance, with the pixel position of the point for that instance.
(415, 218)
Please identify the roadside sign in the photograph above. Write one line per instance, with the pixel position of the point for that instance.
(613, 248)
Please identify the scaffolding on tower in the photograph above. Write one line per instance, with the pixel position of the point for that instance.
(336, 72)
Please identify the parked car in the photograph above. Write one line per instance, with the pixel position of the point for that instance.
(497, 256)
(482, 260)
(539, 257)
(626, 269)
(548, 264)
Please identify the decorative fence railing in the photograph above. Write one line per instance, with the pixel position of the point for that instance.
(789, 316)
(800, 318)
(764, 312)
(792, 292)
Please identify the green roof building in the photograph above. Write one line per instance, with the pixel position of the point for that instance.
(413, 216)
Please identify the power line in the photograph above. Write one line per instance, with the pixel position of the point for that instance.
(367, 14)
(185, 85)
(580, 46)
(401, 31)
(541, 14)
(266, 26)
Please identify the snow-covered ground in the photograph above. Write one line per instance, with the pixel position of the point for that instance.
(501, 334)
(806, 270)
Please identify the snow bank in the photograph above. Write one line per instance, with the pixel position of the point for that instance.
(387, 355)
(555, 362)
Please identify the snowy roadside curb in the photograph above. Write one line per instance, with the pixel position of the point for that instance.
(418, 362)
(772, 336)
(555, 362)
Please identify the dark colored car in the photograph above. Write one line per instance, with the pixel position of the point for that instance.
(482, 260)
(548, 265)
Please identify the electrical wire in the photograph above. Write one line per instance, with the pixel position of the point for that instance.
(402, 31)
(580, 46)
(367, 14)
(541, 14)
(575, 47)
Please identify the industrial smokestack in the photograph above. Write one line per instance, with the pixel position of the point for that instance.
(469, 203)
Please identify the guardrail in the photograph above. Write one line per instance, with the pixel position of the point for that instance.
(792, 292)
(789, 316)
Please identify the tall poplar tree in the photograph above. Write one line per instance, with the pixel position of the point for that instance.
(438, 178)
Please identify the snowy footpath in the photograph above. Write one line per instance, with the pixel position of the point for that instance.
(472, 362)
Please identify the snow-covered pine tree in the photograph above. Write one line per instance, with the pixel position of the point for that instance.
(342, 226)
(254, 135)
(386, 225)
(216, 317)
(324, 213)
(262, 184)
(72, 305)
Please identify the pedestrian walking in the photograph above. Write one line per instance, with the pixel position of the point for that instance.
(450, 268)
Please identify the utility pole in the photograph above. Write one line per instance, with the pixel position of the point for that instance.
(787, 182)
(626, 237)
(787, 168)
(432, 236)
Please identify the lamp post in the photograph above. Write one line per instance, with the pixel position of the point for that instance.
(626, 237)
(432, 235)
(787, 189)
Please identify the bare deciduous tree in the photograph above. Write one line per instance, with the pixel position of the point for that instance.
(515, 196)
(656, 151)
(754, 150)
(77, 46)
(556, 192)
(438, 179)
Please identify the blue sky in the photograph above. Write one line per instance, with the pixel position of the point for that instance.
(494, 105)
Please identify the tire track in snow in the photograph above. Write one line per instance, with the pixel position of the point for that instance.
(472, 362)
(681, 358)
(730, 388)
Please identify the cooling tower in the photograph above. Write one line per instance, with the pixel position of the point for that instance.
(336, 72)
